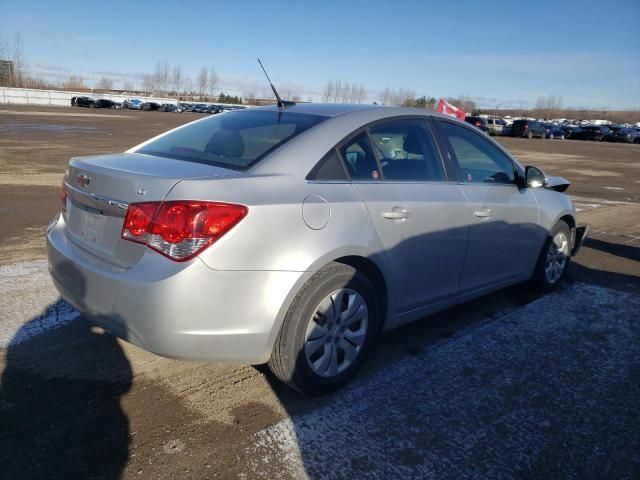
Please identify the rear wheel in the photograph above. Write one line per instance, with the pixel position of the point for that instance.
(327, 331)
(529, 135)
(550, 136)
(554, 259)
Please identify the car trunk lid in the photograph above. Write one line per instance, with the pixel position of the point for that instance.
(100, 189)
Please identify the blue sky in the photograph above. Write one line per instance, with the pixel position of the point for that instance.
(499, 53)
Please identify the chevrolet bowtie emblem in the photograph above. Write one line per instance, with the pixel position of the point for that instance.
(83, 180)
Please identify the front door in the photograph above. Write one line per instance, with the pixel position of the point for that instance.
(504, 232)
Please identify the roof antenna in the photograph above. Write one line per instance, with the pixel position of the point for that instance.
(281, 103)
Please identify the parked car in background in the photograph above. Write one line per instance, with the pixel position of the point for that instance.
(528, 128)
(592, 132)
(479, 122)
(569, 130)
(506, 130)
(200, 108)
(184, 107)
(495, 126)
(105, 103)
(132, 103)
(553, 131)
(213, 109)
(83, 102)
(611, 135)
(150, 106)
(382, 232)
(628, 135)
(168, 107)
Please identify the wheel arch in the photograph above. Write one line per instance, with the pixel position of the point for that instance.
(371, 270)
(357, 260)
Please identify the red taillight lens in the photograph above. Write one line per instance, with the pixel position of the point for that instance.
(180, 229)
(478, 124)
(63, 197)
(139, 218)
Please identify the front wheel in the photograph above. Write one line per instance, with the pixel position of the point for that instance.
(327, 331)
(554, 259)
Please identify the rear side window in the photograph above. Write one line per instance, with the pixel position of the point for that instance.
(405, 151)
(359, 158)
(479, 160)
(236, 140)
(329, 168)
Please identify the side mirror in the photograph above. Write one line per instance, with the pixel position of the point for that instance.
(534, 177)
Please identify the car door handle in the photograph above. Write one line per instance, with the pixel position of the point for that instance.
(483, 213)
(397, 213)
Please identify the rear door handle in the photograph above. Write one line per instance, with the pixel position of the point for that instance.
(397, 213)
(483, 213)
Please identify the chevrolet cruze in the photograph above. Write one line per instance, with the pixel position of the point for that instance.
(294, 235)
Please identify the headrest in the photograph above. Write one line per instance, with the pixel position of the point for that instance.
(226, 143)
(412, 143)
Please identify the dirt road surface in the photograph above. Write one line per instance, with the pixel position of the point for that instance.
(512, 385)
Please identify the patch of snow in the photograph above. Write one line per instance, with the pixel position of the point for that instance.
(29, 304)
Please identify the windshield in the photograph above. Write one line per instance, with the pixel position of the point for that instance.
(234, 140)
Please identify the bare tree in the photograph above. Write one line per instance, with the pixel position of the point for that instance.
(13, 52)
(187, 85)
(202, 81)
(105, 83)
(128, 86)
(148, 83)
(250, 92)
(161, 76)
(213, 81)
(74, 82)
(549, 102)
(176, 79)
(328, 92)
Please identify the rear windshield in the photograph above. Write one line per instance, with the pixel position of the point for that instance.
(237, 139)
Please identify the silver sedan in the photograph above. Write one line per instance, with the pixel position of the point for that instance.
(294, 236)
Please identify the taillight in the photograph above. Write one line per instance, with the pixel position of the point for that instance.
(63, 197)
(180, 229)
(478, 124)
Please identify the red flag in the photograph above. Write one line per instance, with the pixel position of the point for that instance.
(448, 109)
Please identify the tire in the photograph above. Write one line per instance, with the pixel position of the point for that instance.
(553, 261)
(311, 337)
(529, 134)
(92, 105)
(550, 136)
(562, 137)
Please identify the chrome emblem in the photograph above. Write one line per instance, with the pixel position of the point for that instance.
(142, 192)
(83, 180)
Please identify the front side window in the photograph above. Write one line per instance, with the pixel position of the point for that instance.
(479, 160)
(236, 140)
(405, 151)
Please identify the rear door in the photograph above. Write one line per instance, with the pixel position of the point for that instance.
(504, 237)
(420, 216)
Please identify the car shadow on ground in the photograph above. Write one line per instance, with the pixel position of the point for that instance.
(60, 412)
(620, 250)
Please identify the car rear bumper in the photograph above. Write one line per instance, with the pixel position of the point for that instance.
(182, 310)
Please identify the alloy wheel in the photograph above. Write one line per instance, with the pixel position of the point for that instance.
(557, 256)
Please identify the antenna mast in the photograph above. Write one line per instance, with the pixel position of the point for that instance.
(281, 103)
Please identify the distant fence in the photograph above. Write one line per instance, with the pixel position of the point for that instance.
(30, 96)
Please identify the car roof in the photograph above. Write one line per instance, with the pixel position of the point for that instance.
(353, 111)
(322, 109)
